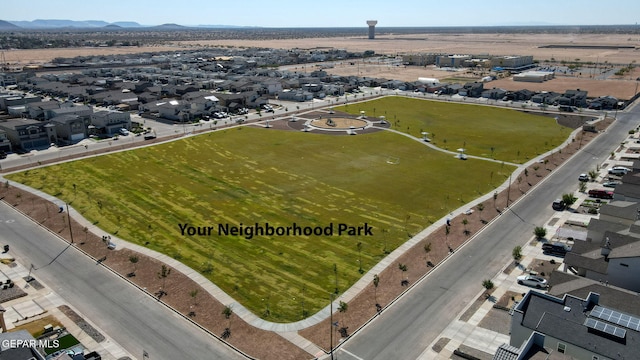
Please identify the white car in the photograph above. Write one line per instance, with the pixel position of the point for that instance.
(533, 281)
(619, 170)
(583, 177)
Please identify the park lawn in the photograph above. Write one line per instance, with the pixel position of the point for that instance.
(247, 175)
(503, 134)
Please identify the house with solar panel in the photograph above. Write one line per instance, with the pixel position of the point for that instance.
(548, 327)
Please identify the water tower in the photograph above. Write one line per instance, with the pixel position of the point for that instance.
(372, 28)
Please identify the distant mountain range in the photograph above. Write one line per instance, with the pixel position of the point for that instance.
(41, 24)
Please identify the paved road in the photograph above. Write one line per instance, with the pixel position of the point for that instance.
(407, 328)
(130, 318)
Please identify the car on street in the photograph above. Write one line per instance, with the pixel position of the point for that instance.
(555, 248)
(558, 205)
(583, 177)
(533, 281)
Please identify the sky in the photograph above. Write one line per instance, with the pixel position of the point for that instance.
(331, 13)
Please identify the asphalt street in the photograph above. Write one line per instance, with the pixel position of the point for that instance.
(132, 319)
(416, 320)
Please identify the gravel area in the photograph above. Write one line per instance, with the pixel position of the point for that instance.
(82, 323)
(11, 294)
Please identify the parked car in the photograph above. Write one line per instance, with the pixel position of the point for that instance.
(619, 170)
(555, 248)
(123, 132)
(601, 193)
(150, 135)
(558, 205)
(533, 281)
(611, 184)
(583, 177)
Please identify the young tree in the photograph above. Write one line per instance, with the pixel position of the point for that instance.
(86, 234)
(464, 224)
(480, 208)
(342, 308)
(227, 312)
(376, 282)
(535, 169)
(403, 268)
(163, 274)
(540, 232)
(569, 199)
(517, 253)
(134, 260)
(582, 186)
(194, 294)
(427, 250)
(488, 285)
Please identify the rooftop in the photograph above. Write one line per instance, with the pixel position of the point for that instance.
(572, 320)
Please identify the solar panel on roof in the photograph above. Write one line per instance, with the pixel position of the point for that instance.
(605, 328)
(616, 317)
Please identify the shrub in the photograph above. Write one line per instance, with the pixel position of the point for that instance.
(540, 232)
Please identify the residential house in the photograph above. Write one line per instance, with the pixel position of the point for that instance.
(274, 86)
(472, 89)
(576, 98)
(83, 111)
(571, 327)
(494, 94)
(604, 103)
(615, 259)
(109, 122)
(24, 351)
(8, 100)
(176, 110)
(5, 144)
(548, 98)
(29, 134)
(295, 95)
(42, 110)
(70, 128)
(451, 89)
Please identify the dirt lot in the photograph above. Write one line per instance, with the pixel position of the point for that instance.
(42, 56)
(494, 44)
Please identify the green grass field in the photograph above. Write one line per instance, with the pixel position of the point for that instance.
(515, 136)
(250, 175)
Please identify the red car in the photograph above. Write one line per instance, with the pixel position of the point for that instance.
(601, 193)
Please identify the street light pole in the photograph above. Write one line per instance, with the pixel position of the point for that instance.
(331, 325)
(69, 217)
